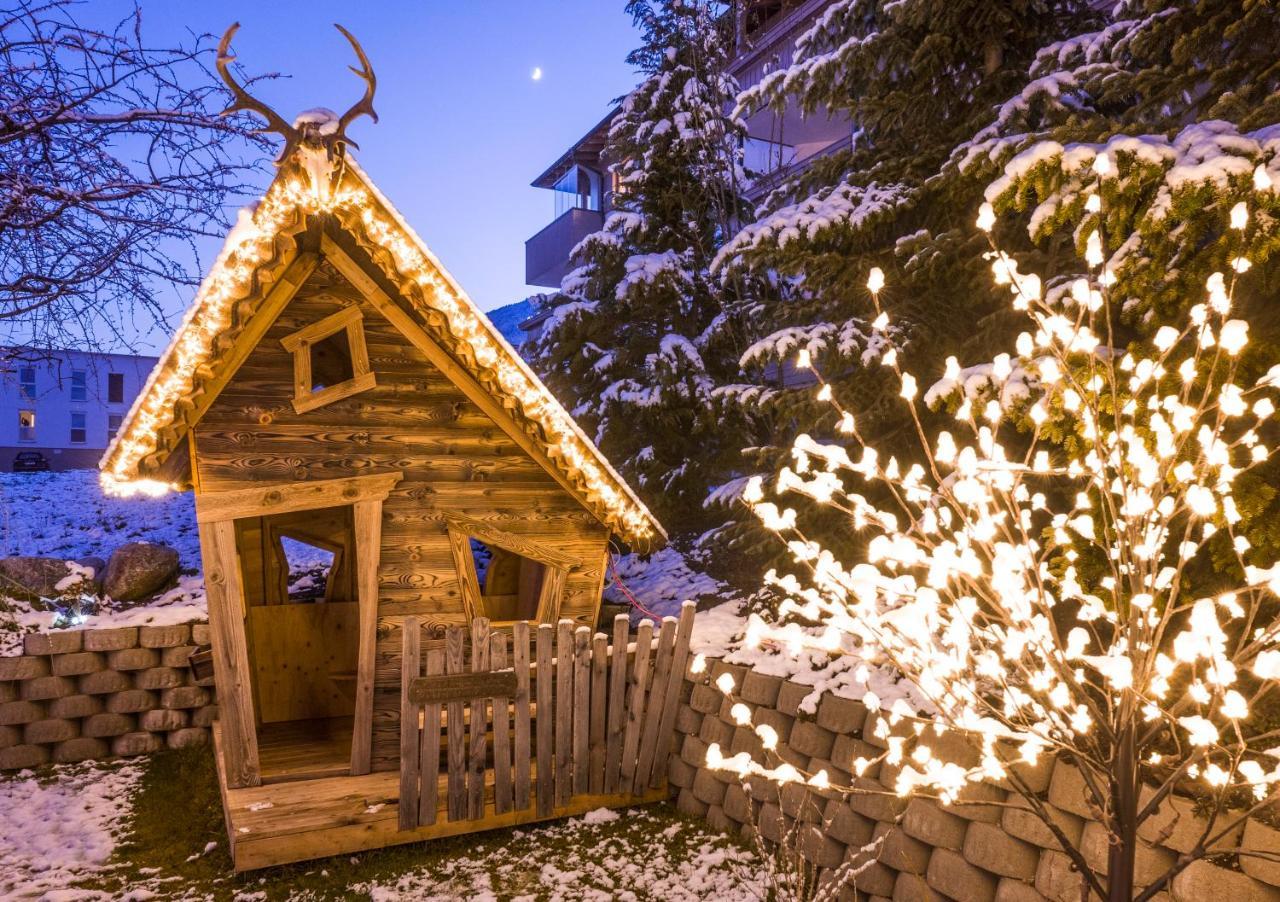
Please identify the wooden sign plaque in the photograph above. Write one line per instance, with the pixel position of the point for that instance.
(461, 687)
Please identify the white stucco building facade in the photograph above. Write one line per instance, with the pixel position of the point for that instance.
(65, 404)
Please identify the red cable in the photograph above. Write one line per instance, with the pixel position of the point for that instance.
(617, 580)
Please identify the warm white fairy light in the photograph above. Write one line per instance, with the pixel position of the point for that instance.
(299, 191)
(971, 576)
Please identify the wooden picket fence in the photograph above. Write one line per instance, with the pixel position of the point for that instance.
(526, 724)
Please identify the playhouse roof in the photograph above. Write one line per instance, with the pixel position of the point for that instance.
(149, 451)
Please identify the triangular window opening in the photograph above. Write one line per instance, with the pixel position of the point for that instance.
(331, 361)
(309, 567)
(510, 584)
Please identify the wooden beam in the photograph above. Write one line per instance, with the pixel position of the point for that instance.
(464, 565)
(310, 400)
(368, 536)
(322, 329)
(523, 545)
(296, 272)
(230, 653)
(287, 497)
(475, 392)
(551, 595)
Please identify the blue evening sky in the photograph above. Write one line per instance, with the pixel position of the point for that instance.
(463, 127)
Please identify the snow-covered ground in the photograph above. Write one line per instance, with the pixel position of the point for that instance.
(660, 583)
(61, 827)
(625, 864)
(67, 515)
(60, 831)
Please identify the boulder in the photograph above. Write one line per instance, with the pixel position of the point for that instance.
(98, 566)
(32, 577)
(139, 569)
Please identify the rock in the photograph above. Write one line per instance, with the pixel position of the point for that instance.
(98, 566)
(29, 578)
(139, 569)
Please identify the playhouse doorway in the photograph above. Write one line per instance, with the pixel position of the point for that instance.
(303, 625)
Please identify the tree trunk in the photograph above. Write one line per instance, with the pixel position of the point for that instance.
(1124, 803)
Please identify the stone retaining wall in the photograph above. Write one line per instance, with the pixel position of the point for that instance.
(80, 694)
(974, 853)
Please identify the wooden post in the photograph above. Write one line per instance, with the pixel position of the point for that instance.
(546, 718)
(617, 702)
(230, 653)
(523, 749)
(368, 535)
(581, 710)
(429, 755)
(671, 704)
(479, 721)
(551, 593)
(455, 662)
(410, 761)
(599, 664)
(564, 712)
(501, 731)
(635, 706)
(653, 715)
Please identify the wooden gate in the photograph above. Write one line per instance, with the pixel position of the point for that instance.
(545, 728)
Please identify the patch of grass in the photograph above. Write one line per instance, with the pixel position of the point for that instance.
(177, 812)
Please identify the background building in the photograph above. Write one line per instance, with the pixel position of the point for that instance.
(65, 404)
(777, 145)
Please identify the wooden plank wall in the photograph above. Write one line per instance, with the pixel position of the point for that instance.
(454, 458)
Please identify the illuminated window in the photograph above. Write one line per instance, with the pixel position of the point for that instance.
(26, 425)
(330, 360)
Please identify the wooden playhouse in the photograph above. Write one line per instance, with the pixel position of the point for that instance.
(332, 392)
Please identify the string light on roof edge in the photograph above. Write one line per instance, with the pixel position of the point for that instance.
(251, 246)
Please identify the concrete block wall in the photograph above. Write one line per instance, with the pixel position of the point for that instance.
(79, 694)
(970, 852)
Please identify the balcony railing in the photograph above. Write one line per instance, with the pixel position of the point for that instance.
(546, 254)
(774, 47)
(770, 180)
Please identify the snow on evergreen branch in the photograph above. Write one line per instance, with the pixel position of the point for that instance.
(845, 205)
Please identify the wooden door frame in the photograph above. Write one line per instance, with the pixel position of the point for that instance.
(216, 513)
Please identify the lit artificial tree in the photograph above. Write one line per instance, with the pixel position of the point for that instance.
(1028, 572)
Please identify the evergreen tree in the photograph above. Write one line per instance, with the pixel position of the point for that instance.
(636, 340)
(1168, 114)
(916, 78)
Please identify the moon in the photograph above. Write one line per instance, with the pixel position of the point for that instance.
(536, 74)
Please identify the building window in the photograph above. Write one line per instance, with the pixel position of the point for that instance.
(27, 382)
(115, 388)
(78, 432)
(79, 386)
(330, 361)
(26, 425)
(579, 188)
(113, 425)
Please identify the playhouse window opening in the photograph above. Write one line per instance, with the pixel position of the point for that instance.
(309, 569)
(331, 362)
(510, 583)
